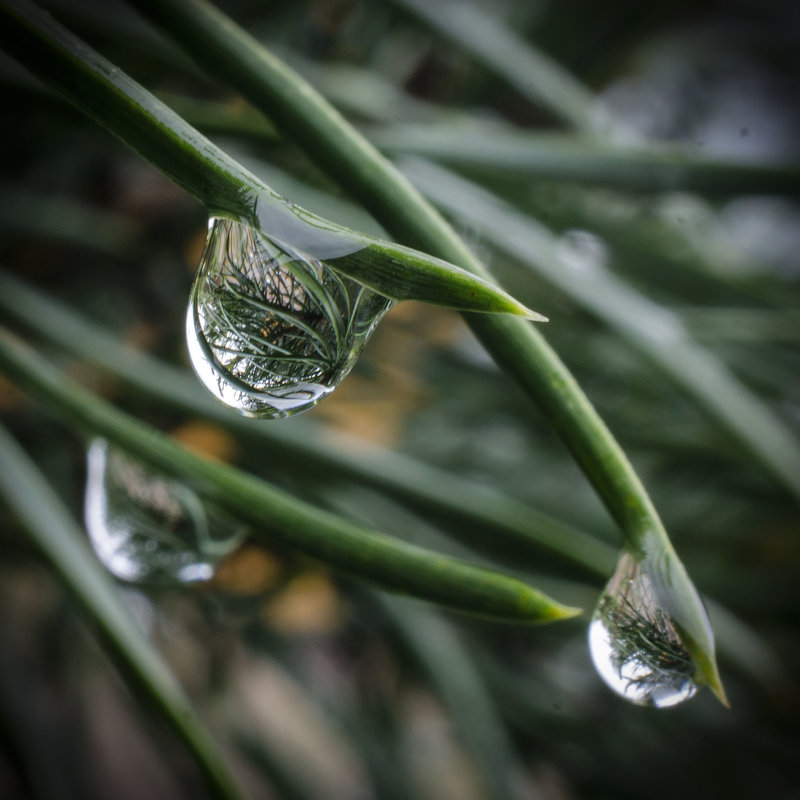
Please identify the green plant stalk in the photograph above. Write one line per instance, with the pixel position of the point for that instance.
(305, 117)
(61, 542)
(278, 518)
(297, 110)
(305, 442)
(226, 188)
(643, 532)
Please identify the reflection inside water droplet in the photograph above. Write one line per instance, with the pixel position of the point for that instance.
(270, 331)
(146, 528)
(634, 642)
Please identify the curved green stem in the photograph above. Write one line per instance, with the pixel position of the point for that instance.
(304, 117)
(510, 527)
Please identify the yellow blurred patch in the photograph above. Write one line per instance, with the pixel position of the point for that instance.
(309, 604)
(141, 335)
(193, 248)
(375, 406)
(248, 571)
(206, 439)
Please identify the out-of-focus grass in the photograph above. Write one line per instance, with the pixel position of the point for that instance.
(353, 675)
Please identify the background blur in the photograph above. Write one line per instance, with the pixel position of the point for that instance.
(318, 688)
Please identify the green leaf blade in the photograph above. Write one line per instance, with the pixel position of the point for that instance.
(379, 559)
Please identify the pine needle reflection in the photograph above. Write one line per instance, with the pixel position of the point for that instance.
(146, 528)
(271, 332)
(635, 644)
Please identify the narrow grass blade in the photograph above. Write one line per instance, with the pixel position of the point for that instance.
(61, 542)
(513, 525)
(400, 476)
(498, 151)
(304, 117)
(384, 561)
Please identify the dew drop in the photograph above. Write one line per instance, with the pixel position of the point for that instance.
(270, 331)
(148, 529)
(634, 641)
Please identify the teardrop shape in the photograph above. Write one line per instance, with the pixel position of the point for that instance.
(147, 528)
(634, 641)
(271, 331)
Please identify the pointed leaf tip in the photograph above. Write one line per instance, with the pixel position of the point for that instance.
(535, 607)
(513, 306)
(712, 679)
(535, 316)
(565, 612)
(719, 693)
(547, 610)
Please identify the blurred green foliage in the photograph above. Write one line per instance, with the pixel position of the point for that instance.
(314, 686)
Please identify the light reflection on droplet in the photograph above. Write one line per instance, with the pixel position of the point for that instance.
(270, 332)
(582, 252)
(634, 643)
(146, 528)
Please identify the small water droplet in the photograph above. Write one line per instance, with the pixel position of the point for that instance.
(582, 252)
(147, 528)
(634, 642)
(271, 331)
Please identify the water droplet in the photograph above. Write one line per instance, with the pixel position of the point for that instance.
(582, 252)
(634, 641)
(147, 528)
(271, 331)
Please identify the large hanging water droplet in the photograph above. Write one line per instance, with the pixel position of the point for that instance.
(271, 331)
(147, 528)
(634, 641)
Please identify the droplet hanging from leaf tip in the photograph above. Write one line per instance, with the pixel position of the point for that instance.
(270, 331)
(636, 644)
(148, 529)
